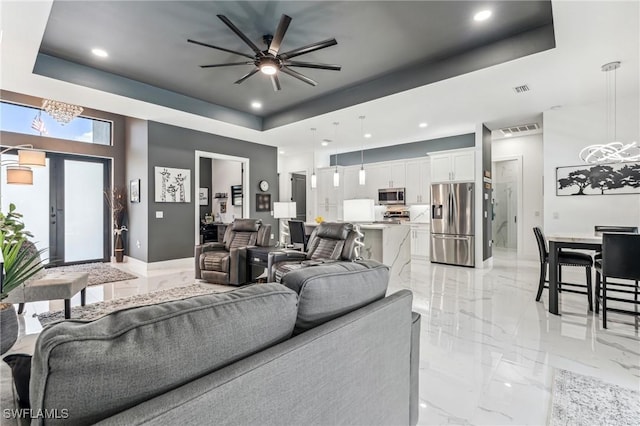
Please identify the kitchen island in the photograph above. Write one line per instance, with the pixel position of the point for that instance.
(387, 243)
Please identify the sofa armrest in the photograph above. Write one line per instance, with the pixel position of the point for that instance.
(237, 265)
(414, 370)
(281, 256)
(212, 246)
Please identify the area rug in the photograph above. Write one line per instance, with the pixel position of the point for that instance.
(97, 310)
(99, 273)
(584, 400)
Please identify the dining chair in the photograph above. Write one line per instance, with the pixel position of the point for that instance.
(297, 234)
(620, 254)
(600, 229)
(565, 258)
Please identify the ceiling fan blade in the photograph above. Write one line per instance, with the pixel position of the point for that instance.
(276, 83)
(309, 48)
(220, 48)
(240, 34)
(274, 47)
(313, 65)
(299, 76)
(230, 64)
(247, 75)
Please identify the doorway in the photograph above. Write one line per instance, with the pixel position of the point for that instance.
(65, 208)
(299, 195)
(507, 204)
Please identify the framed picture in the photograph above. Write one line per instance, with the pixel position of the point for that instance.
(203, 196)
(134, 190)
(172, 185)
(263, 202)
(598, 179)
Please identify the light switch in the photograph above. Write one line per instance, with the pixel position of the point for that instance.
(485, 214)
(536, 214)
(556, 215)
(159, 214)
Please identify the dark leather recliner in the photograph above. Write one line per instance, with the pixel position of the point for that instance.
(226, 262)
(328, 242)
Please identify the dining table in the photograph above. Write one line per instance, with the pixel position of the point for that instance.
(558, 242)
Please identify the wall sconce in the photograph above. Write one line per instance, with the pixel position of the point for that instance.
(19, 172)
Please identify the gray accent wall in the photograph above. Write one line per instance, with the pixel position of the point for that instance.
(173, 236)
(404, 151)
(206, 180)
(137, 168)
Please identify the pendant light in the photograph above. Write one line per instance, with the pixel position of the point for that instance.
(314, 178)
(362, 177)
(614, 151)
(336, 175)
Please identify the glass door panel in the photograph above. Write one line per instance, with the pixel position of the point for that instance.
(83, 210)
(32, 201)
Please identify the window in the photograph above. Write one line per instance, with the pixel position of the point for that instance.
(33, 121)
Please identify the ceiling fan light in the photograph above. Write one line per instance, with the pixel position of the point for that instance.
(268, 69)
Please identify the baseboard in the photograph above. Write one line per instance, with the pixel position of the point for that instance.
(139, 265)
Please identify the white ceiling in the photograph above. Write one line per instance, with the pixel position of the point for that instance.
(588, 34)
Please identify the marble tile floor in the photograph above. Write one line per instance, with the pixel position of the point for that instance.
(488, 351)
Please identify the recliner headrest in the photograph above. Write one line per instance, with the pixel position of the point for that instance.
(335, 231)
(246, 225)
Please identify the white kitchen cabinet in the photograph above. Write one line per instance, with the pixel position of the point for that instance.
(397, 174)
(420, 235)
(455, 166)
(418, 181)
(352, 187)
(328, 197)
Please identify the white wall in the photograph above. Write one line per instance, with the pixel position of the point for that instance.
(530, 149)
(566, 132)
(224, 174)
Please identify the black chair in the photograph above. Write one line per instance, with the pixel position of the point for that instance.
(297, 235)
(620, 260)
(600, 229)
(565, 258)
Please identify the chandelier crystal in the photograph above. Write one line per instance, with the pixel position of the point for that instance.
(62, 112)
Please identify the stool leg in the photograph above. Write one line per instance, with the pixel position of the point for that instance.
(83, 296)
(589, 290)
(559, 278)
(543, 272)
(67, 308)
(597, 292)
(20, 308)
(604, 302)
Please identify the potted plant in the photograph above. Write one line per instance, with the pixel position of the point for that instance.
(20, 261)
(117, 200)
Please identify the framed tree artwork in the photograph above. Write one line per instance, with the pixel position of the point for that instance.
(598, 179)
(172, 185)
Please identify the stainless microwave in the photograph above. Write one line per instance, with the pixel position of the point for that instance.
(387, 196)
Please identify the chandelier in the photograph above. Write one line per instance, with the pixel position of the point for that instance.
(612, 152)
(61, 112)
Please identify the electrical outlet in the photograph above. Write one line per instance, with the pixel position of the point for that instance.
(138, 243)
(536, 214)
(159, 214)
(556, 215)
(272, 236)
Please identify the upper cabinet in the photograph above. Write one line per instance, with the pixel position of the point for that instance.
(418, 181)
(454, 166)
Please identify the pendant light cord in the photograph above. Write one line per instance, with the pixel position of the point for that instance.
(362, 144)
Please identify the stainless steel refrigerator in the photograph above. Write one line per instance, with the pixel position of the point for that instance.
(453, 224)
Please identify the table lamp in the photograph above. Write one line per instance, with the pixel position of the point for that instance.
(284, 210)
(358, 211)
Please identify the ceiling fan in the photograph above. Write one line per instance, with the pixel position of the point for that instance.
(270, 61)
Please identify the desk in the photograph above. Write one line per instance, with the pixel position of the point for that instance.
(557, 242)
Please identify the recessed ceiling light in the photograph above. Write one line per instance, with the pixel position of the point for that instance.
(282, 151)
(508, 135)
(325, 142)
(556, 107)
(423, 125)
(99, 52)
(483, 15)
(367, 135)
(256, 105)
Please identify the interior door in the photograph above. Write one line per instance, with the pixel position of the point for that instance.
(299, 195)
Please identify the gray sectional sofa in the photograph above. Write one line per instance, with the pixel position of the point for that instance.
(326, 347)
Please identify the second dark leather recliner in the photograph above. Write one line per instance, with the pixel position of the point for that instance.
(329, 242)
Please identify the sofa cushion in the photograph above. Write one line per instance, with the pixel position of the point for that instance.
(327, 291)
(213, 260)
(96, 369)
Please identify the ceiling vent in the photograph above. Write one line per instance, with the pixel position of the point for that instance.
(521, 128)
(521, 89)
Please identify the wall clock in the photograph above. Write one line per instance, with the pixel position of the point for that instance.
(264, 185)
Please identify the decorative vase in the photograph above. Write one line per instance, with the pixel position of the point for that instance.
(8, 327)
(118, 250)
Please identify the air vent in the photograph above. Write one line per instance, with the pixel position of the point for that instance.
(521, 89)
(513, 130)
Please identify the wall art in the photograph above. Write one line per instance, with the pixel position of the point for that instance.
(598, 179)
(263, 202)
(172, 185)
